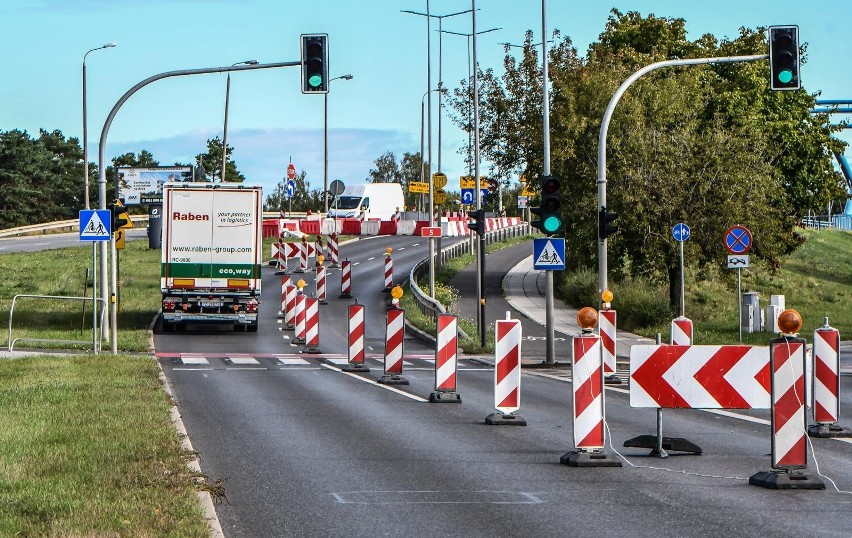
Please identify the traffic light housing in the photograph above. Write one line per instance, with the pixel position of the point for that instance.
(550, 209)
(477, 221)
(784, 58)
(314, 63)
(605, 226)
(120, 217)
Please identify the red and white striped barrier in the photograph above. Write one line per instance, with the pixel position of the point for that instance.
(285, 281)
(303, 258)
(588, 392)
(787, 413)
(826, 384)
(507, 373)
(356, 340)
(681, 331)
(606, 330)
(345, 280)
(394, 338)
(319, 248)
(290, 307)
(320, 284)
(588, 398)
(311, 325)
(334, 250)
(446, 360)
(388, 272)
(300, 319)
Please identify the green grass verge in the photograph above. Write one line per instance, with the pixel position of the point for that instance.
(87, 448)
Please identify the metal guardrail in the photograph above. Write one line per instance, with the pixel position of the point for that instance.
(430, 307)
(94, 341)
(57, 227)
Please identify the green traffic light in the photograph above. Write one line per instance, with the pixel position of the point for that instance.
(551, 224)
(785, 76)
(315, 80)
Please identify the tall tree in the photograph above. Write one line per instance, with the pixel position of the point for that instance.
(212, 163)
(386, 170)
(304, 198)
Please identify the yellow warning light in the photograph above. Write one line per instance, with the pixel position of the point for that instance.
(790, 321)
(388, 251)
(606, 296)
(587, 317)
(301, 283)
(320, 259)
(396, 292)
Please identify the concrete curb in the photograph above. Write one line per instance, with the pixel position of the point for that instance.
(204, 497)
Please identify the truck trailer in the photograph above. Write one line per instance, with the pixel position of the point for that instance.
(211, 254)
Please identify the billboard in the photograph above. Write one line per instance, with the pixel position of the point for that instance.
(145, 185)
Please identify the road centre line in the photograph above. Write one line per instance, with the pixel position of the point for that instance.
(379, 385)
(370, 259)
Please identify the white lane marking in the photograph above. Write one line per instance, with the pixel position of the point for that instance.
(339, 362)
(401, 248)
(247, 368)
(356, 263)
(374, 383)
(371, 259)
(290, 362)
(194, 359)
(416, 245)
(243, 360)
(191, 369)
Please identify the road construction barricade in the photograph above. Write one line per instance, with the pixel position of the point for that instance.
(388, 271)
(370, 227)
(311, 227)
(446, 360)
(271, 228)
(290, 307)
(826, 384)
(333, 250)
(320, 284)
(291, 225)
(394, 340)
(507, 374)
(285, 283)
(300, 319)
(355, 353)
(345, 280)
(405, 227)
(351, 227)
(311, 325)
(387, 227)
(681, 331)
(607, 332)
(331, 226)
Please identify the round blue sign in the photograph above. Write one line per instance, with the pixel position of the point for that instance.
(681, 232)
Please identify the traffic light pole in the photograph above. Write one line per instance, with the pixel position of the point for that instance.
(550, 351)
(110, 304)
(602, 242)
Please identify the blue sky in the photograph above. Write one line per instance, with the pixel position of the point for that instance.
(270, 120)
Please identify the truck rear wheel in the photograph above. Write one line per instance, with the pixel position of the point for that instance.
(168, 327)
(252, 328)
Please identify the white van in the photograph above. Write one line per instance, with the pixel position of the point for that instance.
(380, 200)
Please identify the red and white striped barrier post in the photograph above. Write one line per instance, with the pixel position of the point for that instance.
(290, 308)
(319, 248)
(346, 280)
(300, 314)
(507, 374)
(787, 413)
(826, 383)
(280, 258)
(446, 360)
(356, 340)
(388, 270)
(319, 280)
(303, 257)
(285, 282)
(333, 250)
(681, 331)
(394, 337)
(587, 383)
(311, 325)
(606, 331)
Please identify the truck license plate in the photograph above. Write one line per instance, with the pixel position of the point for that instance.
(210, 304)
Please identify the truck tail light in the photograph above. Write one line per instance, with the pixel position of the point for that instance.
(238, 283)
(168, 305)
(251, 306)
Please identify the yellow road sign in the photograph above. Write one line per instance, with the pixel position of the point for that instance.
(439, 180)
(119, 239)
(418, 187)
(527, 192)
(440, 197)
(467, 182)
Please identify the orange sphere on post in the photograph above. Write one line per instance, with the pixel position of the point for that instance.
(587, 317)
(789, 321)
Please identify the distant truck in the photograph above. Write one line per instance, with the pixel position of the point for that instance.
(380, 200)
(211, 254)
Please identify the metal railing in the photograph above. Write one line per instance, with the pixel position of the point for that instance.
(430, 307)
(59, 226)
(94, 341)
(823, 222)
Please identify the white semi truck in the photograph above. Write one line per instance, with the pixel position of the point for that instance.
(211, 254)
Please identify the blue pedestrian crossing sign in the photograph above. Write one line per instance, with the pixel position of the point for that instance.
(95, 224)
(549, 254)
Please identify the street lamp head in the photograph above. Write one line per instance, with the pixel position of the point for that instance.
(346, 77)
(110, 45)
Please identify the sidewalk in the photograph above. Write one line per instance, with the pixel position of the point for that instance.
(523, 287)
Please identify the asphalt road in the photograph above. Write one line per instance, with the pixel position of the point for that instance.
(307, 450)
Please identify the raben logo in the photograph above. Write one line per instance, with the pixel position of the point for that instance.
(177, 215)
